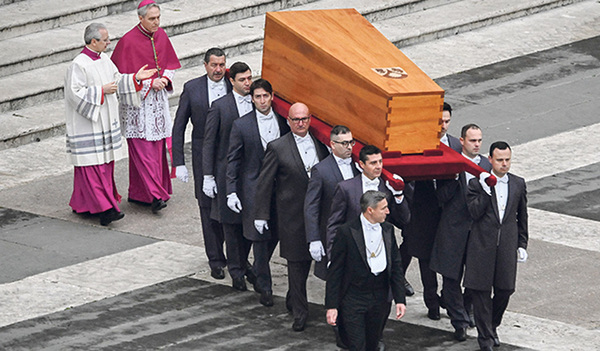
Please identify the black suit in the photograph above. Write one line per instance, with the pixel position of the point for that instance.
(244, 162)
(454, 143)
(450, 244)
(221, 116)
(346, 205)
(361, 298)
(492, 252)
(420, 232)
(284, 177)
(317, 204)
(193, 105)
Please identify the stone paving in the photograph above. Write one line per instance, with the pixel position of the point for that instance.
(555, 306)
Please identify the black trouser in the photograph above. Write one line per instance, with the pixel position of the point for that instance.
(238, 249)
(453, 297)
(363, 316)
(296, 296)
(430, 285)
(213, 239)
(488, 313)
(263, 251)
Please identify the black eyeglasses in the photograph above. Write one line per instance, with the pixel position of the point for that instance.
(346, 143)
(298, 120)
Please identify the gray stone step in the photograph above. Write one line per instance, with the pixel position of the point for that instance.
(46, 119)
(177, 17)
(236, 38)
(7, 2)
(38, 126)
(459, 17)
(25, 17)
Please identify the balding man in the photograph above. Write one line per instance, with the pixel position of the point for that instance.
(284, 174)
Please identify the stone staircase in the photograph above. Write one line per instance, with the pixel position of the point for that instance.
(38, 39)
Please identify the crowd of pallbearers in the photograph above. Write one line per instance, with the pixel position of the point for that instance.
(262, 179)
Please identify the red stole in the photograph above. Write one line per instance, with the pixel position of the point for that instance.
(135, 50)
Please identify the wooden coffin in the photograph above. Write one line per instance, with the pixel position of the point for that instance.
(348, 73)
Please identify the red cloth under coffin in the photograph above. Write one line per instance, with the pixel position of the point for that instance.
(432, 164)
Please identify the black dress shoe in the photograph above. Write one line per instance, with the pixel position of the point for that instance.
(218, 273)
(408, 288)
(239, 284)
(138, 202)
(434, 314)
(109, 216)
(460, 334)
(299, 324)
(266, 298)
(157, 205)
(495, 338)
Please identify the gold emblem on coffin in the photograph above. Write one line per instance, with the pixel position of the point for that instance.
(391, 72)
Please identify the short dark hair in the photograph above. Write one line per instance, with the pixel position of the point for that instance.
(367, 150)
(238, 67)
(261, 84)
(370, 199)
(447, 107)
(339, 129)
(500, 145)
(463, 131)
(213, 52)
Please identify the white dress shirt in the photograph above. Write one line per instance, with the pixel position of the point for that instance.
(374, 245)
(215, 90)
(501, 190)
(268, 127)
(345, 166)
(307, 150)
(243, 103)
(444, 140)
(368, 184)
(475, 160)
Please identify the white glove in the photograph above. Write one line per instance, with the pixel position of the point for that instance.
(522, 255)
(316, 250)
(209, 186)
(482, 177)
(234, 203)
(182, 173)
(261, 225)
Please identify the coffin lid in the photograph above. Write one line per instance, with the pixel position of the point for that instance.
(346, 36)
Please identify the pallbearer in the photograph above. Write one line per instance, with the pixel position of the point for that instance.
(247, 143)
